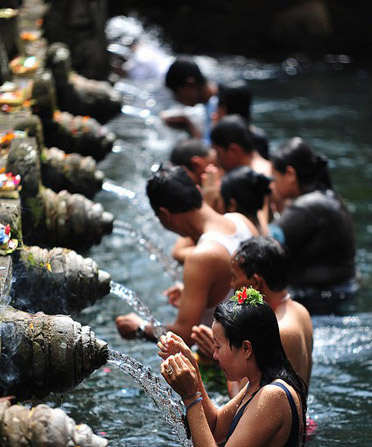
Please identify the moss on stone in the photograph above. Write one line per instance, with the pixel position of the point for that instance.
(36, 206)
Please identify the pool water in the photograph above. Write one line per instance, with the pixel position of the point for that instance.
(330, 106)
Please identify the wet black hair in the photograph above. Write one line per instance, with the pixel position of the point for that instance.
(173, 189)
(236, 97)
(264, 256)
(247, 187)
(311, 168)
(232, 129)
(183, 152)
(260, 141)
(258, 324)
(182, 69)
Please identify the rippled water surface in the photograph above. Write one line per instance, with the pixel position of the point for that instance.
(331, 108)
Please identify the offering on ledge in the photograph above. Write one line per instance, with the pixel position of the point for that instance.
(24, 65)
(7, 245)
(9, 185)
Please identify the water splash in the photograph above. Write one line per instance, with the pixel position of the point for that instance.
(132, 299)
(123, 193)
(161, 395)
(342, 339)
(171, 266)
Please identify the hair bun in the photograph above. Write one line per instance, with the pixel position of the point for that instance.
(263, 183)
(321, 161)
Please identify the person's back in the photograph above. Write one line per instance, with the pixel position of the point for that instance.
(296, 334)
(319, 234)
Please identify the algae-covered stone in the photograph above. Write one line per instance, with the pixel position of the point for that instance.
(43, 426)
(56, 281)
(40, 353)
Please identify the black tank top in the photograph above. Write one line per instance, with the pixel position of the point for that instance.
(293, 439)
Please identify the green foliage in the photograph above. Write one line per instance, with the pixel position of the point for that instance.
(247, 296)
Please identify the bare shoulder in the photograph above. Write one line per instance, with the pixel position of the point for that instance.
(275, 395)
(207, 256)
(248, 223)
(296, 313)
(269, 397)
(273, 392)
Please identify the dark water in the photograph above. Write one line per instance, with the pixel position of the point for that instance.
(329, 107)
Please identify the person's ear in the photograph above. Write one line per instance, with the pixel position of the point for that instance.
(256, 282)
(197, 164)
(190, 80)
(247, 348)
(291, 174)
(234, 148)
(163, 214)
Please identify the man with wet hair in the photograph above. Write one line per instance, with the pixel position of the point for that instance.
(188, 84)
(190, 87)
(194, 156)
(261, 262)
(178, 204)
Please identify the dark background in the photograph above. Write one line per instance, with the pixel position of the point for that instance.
(268, 28)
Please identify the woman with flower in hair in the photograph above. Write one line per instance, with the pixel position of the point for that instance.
(270, 410)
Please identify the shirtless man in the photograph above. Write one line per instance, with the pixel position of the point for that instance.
(178, 204)
(260, 263)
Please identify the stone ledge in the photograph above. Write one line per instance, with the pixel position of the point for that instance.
(5, 277)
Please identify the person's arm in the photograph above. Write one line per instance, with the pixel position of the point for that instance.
(203, 337)
(182, 248)
(207, 424)
(198, 278)
(181, 122)
(170, 345)
(211, 188)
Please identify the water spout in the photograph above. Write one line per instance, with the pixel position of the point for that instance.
(132, 299)
(42, 425)
(161, 395)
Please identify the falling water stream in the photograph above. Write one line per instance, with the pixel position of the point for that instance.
(132, 299)
(161, 395)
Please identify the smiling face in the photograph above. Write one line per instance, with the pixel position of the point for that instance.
(231, 360)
